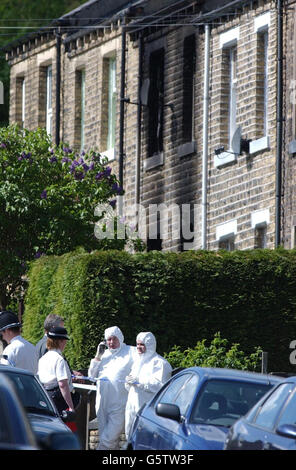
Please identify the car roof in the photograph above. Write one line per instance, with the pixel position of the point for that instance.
(289, 379)
(234, 374)
(15, 370)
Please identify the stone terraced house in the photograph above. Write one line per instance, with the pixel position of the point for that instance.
(187, 101)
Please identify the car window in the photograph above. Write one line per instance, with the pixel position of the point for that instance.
(31, 394)
(186, 394)
(221, 402)
(289, 414)
(266, 417)
(180, 391)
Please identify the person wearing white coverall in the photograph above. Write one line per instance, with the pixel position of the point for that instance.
(149, 372)
(110, 367)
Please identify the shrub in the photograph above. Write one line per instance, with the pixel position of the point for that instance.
(48, 198)
(217, 354)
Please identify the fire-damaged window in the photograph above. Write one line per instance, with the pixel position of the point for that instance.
(156, 102)
(20, 101)
(188, 87)
(154, 239)
(79, 108)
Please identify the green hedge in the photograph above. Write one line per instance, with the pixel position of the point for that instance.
(248, 296)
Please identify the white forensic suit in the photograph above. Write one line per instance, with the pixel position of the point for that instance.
(111, 396)
(149, 372)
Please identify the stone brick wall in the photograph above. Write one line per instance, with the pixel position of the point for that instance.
(94, 436)
(236, 190)
(289, 165)
(246, 185)
(31, 65)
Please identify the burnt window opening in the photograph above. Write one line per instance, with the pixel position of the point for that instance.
(154, 240)
(187, 228)
(154, 244)
(260, 237)
(188, 88)
(20, 101)
(156, 102)
(79, 109)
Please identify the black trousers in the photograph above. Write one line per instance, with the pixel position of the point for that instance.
(58, 399)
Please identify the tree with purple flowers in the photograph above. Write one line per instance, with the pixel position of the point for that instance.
(47, 202)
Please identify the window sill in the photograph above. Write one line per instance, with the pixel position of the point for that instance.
(154, 161)
(224, 158)
(187, 149)
(226, 230)
(110, 154)
(259, 145)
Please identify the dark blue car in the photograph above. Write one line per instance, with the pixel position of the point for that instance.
(195, 409)
(15, 430)
(51, 433)
(270, 424)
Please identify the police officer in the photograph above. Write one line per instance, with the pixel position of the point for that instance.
(18, 352)
(52, 320)
(54, 371)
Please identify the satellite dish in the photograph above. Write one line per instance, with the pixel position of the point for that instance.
(236, 141)
(238, 144)
(145, 92)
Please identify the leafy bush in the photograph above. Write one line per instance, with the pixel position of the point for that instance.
(48, 197)
(217, 354)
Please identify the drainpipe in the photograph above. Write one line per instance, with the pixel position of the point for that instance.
(279, 123)
(58, 87)
(205, 136)
(139, 116)
(121, 116)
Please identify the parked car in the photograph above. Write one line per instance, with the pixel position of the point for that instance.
(195, 409)
(49, 429)
(270, 424)
(15, 429)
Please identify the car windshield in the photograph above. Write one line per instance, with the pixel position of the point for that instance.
(222, 402)
(31, 394)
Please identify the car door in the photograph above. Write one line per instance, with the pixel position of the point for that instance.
(150, 425)
(261, 434)
(277, 440)
(168, 433)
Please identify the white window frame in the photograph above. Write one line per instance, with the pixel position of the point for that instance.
(112, 98)
(227, 243)
(228, 42)
(111, 103)
(261, 26)
(82, 107)
(265, 123)
(23, 101)
(49, 99)
(232, 105)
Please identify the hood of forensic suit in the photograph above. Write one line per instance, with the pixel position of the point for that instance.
(114, 331)
(149, 340)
